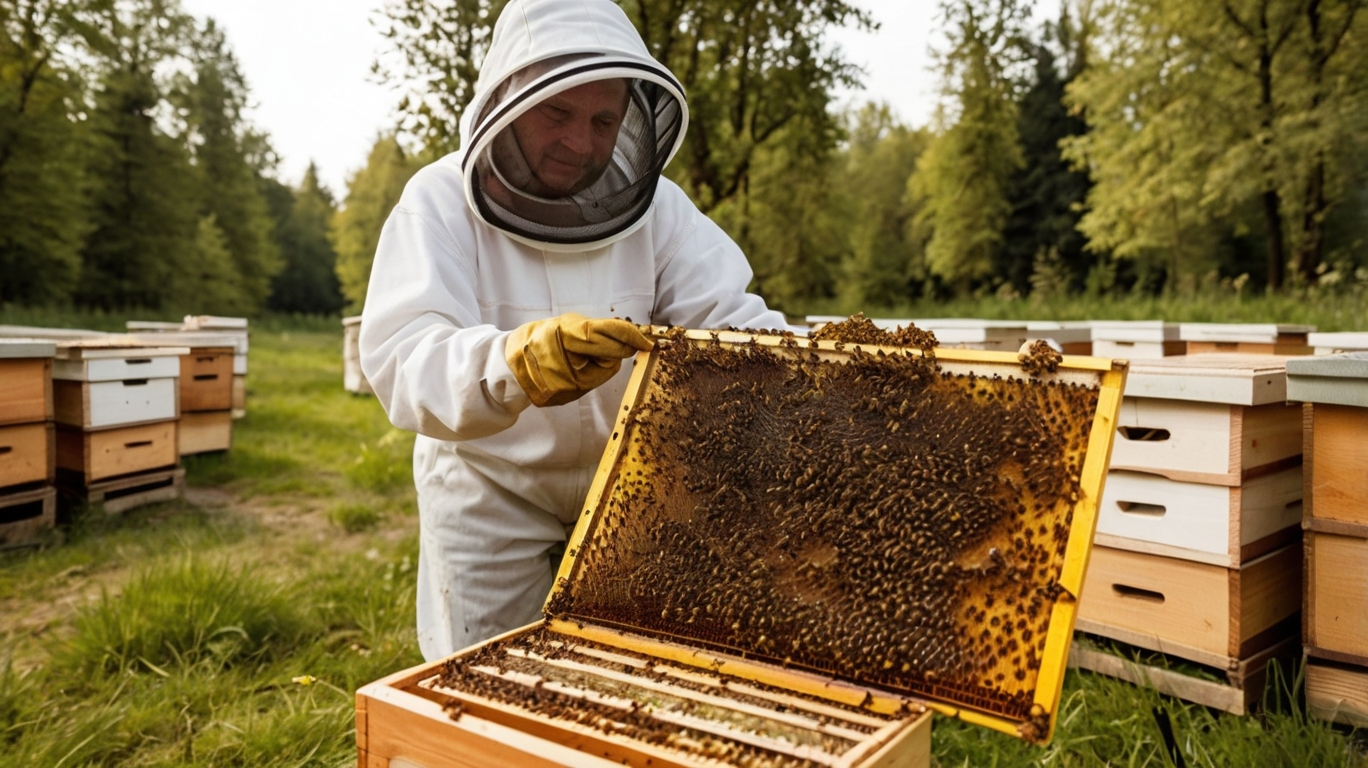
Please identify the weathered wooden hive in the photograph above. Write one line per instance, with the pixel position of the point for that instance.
(793, 552)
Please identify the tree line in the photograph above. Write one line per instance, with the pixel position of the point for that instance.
(1127, 145)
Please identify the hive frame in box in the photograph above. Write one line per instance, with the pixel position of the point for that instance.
(405, 700)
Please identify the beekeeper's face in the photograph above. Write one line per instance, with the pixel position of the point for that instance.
(568, 138)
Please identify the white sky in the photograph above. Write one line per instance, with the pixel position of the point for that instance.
(307, 63)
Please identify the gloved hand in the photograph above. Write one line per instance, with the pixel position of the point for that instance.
(558, 360)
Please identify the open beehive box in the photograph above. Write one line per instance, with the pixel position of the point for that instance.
(793, 552)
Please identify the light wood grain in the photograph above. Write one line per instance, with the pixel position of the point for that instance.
(1270, 590)
(206, 380)
(239, 396)
(1337, 593)
(1337, 693)
(205, 431)
(114, 452)
(1339, 454)
(25, 390)
(1249, 348)
(1182, 602)
(1137, 350)
(27, 454)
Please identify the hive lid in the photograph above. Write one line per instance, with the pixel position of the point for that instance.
(1134, 330)
(1340, 341)
(1254, 333)
(25, 348)
(1330, 379)
(113, 347)
(1236, 379)
(864, 525)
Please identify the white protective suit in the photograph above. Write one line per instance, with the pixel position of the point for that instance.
(500, 483)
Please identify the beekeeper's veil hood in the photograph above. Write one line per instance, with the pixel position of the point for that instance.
(542, 48)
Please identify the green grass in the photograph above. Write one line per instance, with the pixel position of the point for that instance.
(231, 629)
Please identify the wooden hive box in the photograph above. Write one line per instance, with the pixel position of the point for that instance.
(206, 382)
(27, 455)
(1335, 618)
(25, 380)
(24, 515)
(109, 424)
(1338, 342)
(1136, 339)
(653, 654)
(1074, 337)
(1246, 338)
(1207, 462)
(205, 432)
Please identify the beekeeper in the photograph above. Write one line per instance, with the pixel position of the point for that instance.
(498, 311)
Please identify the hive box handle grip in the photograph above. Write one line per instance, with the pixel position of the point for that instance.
(138, 444)
(1136, 593)
(1144, 434)
(135, 382)
(138, 360)
(4, 449)
(206, 376)
(1141, 508)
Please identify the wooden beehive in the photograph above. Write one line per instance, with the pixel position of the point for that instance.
(1074, 337)
(1334, 630)
(744, 613)
(1338, 342)
(205, 432)
(1246, 338)
(1136, 339)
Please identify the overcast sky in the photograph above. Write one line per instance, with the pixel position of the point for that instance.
(308, 65)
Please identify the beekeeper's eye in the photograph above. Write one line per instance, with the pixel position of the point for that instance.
(605, 124)
(552, 112)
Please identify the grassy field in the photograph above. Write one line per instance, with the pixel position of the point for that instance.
(232, 628)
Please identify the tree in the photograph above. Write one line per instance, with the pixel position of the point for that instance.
(143, 190)
(884, 263)
(229, 158)
(205, 278)
(43, 212)
(962, 179)
(355, 231)
(1046, 195)
(308, 282)
(1202, 108)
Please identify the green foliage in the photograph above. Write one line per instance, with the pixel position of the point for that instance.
(42, 207)
(355, 231)
(962, 179)
(385, 466)
(885, 261)
(308, 281)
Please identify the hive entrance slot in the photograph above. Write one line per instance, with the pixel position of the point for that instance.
(4, 449)
(1136, 593)
(19, 512)
(1142, 509)
(1144, 434)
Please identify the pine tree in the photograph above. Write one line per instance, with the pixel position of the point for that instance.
(355, 230)
(227, 169)
(308, 283)
(43, 212)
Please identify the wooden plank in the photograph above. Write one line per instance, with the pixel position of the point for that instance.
(1339, 454)
(206, 380)
(1288, 349)
(27, 454)
(105, 404)
(1156, 435)
(1135, 330)
(1176, 603)
(1337, 527)
(124, 493)
(25, 390)
(1336, 693)
(136, 365)
(1137, 350)
(13, 348)
(25, 515)
(1270, 591)
(113, 452)
(1232, 379)
(204, 432)
(1337, 593)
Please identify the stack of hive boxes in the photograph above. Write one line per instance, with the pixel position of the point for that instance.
(1198, 536)
(353, 380)
(116, 407)
(1251, 339)
(1335, 618)
(28, 501)
(206, 382)
(1136, 339)
(204, 333)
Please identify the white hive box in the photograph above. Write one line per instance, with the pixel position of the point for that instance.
(214, 323)
(969, 333)
(1136, 339)
(1246, 338)
(1074, 337)
(1337, 343)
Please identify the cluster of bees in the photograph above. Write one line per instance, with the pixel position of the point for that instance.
(485, 673)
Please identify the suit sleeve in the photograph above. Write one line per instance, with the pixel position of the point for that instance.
(702, 274)
(435, 367)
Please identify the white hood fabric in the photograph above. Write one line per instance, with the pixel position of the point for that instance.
(499, 482)
(539, 50)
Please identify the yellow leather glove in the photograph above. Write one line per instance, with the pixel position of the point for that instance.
(558, 360)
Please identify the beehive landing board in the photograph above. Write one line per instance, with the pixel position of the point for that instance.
(871, 516)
